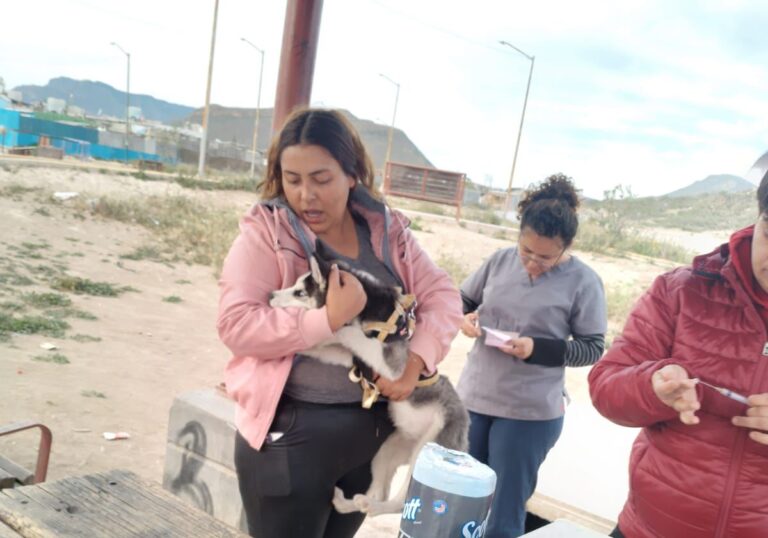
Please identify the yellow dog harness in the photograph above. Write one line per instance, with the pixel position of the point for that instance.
(404, 309)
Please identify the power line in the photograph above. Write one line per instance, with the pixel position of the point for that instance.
(440, 29)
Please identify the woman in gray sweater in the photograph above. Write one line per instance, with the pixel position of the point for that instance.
(553, 305)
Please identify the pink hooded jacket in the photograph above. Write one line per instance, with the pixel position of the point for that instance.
(269, 255)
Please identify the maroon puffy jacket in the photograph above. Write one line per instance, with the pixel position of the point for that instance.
(710, 479)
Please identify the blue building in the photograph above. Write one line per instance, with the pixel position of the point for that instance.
(25, 129)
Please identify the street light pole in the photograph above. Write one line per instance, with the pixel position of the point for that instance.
(394, 114)
(204, 137)
(127, 100)
(522, 118)
(254, 148)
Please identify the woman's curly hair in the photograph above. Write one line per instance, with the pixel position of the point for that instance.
(549, 208)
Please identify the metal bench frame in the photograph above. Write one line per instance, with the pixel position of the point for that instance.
(44, 449)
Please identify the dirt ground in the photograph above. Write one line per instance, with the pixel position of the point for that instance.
(126, 367)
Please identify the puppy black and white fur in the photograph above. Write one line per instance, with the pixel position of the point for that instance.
(432, 413)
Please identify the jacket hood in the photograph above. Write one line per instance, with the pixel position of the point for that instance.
(711, 265)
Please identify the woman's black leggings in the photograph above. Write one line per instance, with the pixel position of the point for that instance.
(287, 486)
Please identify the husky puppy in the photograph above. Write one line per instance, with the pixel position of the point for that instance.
(432, 413)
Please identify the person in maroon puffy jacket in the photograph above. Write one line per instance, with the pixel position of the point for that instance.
(699, 467)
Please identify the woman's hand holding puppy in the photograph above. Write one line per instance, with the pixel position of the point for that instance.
(399, 389)
(345, 299)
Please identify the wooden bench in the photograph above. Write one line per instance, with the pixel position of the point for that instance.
(12, 474)
(114, 504)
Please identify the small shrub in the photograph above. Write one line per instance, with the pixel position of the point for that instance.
(454, 267)
(44, 270)
(63, 313)
(619, 300)
(33, 325)
(230, 184)
(56, 358)
(14, 190)
(92, 394)
(487, 216)
(145, 252)
(172, 299)
(594, 237)
(196, 233)
(429, 207)
(35, 246)
(10, 306)
(85, 338)
(85, 286)
(43, 300)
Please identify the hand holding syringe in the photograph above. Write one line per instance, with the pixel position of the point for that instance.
(672, 386)
(725, 392)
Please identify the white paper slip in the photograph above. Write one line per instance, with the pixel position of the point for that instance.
(496, 337)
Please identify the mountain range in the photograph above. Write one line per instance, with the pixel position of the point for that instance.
(225, 123)
(97, 98)
(236, 125)
(713, 184)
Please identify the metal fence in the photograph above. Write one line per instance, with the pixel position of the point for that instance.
(428, 184)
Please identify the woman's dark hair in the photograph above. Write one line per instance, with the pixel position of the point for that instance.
(318, 127)
(549, 209)
(762, 195)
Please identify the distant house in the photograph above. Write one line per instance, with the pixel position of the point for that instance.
(497, 198)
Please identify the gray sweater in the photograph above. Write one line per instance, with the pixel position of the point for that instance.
(563, 310)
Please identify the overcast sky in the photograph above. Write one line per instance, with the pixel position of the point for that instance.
(650, 94)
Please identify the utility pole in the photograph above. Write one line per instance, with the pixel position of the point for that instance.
(254, 148)
(520, 130)
(204, 137)
(301, 32)
(127, 138)
(392, 125)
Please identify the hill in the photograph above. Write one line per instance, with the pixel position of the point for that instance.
(98, 98)
(236, 125)
(712, 211)
(714, 184)
(226, 124)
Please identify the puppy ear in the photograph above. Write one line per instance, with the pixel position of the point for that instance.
(317, 271)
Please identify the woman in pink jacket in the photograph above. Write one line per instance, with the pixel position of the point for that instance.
(699, 467)
(301, 428)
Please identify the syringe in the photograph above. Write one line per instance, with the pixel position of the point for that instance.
(725, 392)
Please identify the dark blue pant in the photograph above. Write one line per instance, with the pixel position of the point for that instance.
(515, 449)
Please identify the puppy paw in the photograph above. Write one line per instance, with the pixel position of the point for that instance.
(341, 503)
(362, 502)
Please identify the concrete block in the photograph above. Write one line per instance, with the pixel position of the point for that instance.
(202, 483)
(203, 422)
(199, 456)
